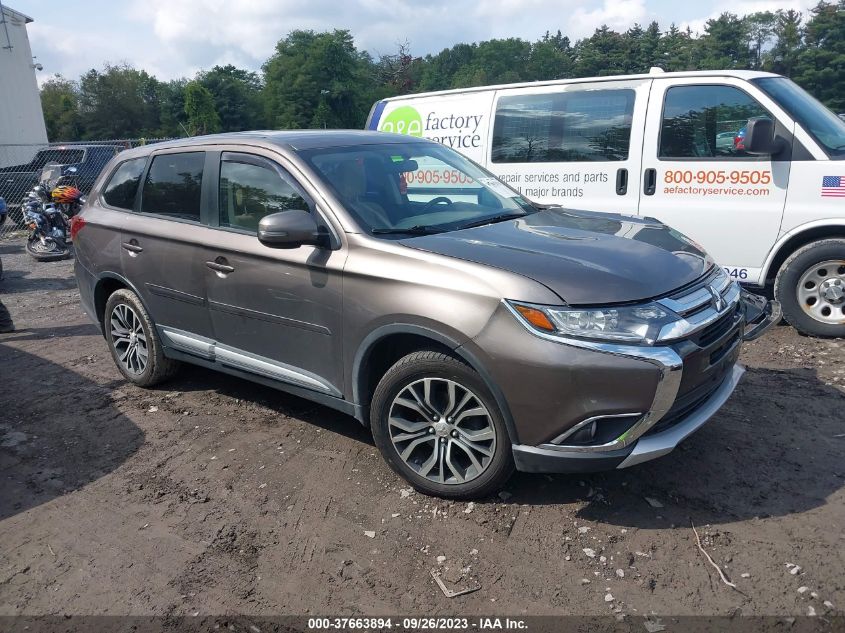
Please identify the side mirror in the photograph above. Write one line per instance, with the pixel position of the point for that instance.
(760, 137)
(289, 229)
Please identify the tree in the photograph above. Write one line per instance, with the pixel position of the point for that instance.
(761, 28)
(237, 97)
(308, 67)
(724, 44)
(820, 66)
(603, 53)
(199, 106)
(118, 102)
(676, 50)
(789, 37)
(60, 104)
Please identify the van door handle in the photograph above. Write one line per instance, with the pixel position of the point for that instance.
(132, 246)
(220, 266)
(650, 181)
(621, 181)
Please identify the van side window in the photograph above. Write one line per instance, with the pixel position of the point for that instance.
(706, 122)
(174, 185)
(248, 192)
(123, 185)
(577, 126)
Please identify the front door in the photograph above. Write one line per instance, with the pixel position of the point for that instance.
(275, 312)
(698, 178)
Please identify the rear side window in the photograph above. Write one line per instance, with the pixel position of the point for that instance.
(174, 185)
(578, 126)
(123, 185)
(706, 122)
(248, 192)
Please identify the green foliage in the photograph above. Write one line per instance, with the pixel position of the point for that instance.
(310, 69)
(199, 106)
(322, 80)
(820, 67)
(237, 97)
(60, 104)
(118, 102)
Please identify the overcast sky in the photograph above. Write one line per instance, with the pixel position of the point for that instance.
(176, 38)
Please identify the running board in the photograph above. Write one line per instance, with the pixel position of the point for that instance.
(238, 359)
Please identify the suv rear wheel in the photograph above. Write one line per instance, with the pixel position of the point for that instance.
(811, 288)
(134, 342)
(437, 425)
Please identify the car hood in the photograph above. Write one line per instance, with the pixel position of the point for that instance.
(586, 258)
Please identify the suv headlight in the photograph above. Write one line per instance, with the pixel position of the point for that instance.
(638, 324)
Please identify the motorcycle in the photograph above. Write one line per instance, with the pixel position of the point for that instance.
(47, 212)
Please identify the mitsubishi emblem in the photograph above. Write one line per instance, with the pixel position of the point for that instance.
(718, 302)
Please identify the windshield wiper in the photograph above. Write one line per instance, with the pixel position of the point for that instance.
(491, 219)
(411, 230)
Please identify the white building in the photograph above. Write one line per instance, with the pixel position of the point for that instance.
(21, 118)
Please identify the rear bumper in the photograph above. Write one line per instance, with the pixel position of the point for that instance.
(548, 459)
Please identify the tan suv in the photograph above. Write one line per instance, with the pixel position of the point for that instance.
(397, 281)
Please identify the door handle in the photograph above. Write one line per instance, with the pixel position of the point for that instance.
(621, 181)
(220, 266)
(650, 181)
(132, 246)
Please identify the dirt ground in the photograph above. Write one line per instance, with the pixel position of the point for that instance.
(213, 495)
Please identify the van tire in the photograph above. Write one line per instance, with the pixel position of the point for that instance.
(802, 265)
(442, 369)
(125, 308)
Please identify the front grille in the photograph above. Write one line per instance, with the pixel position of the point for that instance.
(715, 331)
(682, 408)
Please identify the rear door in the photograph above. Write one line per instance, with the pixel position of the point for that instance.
(577, 145)
(699, 181)
(162, 243)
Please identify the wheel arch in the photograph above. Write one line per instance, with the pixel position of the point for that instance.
(387, 344)
(107, 284)
(797, 238)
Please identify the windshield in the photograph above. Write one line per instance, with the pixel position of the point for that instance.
(822, 124)
(408, 188)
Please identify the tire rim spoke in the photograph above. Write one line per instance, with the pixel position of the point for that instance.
(128, 339)
(423, 428)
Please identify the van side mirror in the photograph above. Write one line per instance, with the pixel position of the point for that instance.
(289, 229)
(760, 137)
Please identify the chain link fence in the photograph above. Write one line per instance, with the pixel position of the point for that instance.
(21, 165)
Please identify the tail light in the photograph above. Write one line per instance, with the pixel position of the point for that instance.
(76, 224)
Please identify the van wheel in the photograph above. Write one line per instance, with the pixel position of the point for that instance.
(811, 288)
(134, 342)
(437, 425)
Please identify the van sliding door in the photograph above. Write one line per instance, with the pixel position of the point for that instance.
(577, 145)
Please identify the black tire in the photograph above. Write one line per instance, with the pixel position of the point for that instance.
(157, 367)
(788, 285)
(428, 364)
(61, 252)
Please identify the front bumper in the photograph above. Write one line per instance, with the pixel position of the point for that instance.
(696, 377)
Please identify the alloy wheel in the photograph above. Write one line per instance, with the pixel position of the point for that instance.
(442, 431)
(128, 338)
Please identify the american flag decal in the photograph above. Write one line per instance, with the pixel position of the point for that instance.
(833, 187)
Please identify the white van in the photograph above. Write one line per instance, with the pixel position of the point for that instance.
(746, 163)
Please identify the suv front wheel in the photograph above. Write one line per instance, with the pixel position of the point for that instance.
(438, 426)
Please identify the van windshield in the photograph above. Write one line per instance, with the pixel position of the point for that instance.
(822, 124)
(414, 188)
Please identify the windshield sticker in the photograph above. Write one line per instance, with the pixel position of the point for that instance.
(498, 188)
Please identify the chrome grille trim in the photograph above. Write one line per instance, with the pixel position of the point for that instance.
(698, 307)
